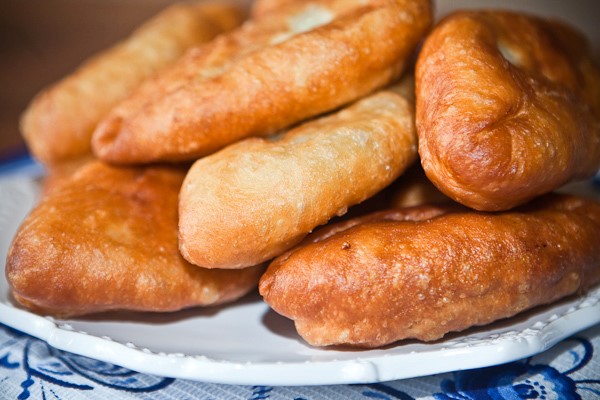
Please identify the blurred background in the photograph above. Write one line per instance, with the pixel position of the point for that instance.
(43, 40)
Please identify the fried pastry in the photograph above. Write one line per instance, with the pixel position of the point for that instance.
(56, 174)
(508, 108)
(425, 271)
(107, 239)
(59, 122)
(261, 7)
(301, 60)
(256, 198)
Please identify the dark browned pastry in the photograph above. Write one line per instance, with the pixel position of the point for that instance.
(425, 271)
(107, 239)
(508, 108)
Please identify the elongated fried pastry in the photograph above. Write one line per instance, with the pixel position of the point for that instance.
(59, 122)
(255, 199)
(423, 272)
(107, 239)
(299, 61)
(508, 108)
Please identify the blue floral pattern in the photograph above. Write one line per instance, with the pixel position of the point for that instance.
(534, 378)
(44, 369)
(525, 380)
(567, 371)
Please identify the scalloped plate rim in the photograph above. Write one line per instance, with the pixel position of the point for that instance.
(369, 369)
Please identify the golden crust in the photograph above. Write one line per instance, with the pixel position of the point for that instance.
(59, 122)
(259, 8)
(258, 197)
(299, 61)
(508, 108)
(58, 173)
(426, 271)
(107, 239)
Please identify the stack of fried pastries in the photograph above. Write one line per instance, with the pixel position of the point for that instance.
(225, 161)
(60, 120)
(296, 62)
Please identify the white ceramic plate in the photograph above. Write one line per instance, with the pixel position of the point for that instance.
(247, 343)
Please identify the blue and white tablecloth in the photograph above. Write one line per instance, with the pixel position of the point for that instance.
(31, 369)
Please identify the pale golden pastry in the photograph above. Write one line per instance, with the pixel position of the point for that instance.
(301, 60)
(425, 271)
(107, 240)
(256, 198)
(59, 122)
(508, 108)
(412, 188)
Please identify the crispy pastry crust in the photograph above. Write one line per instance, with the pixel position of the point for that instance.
(107, 239)
(423, 272)
(59, 122)
(508, 108)
(301, 60)
(257, 198)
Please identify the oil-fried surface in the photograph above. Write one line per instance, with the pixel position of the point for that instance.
(508, 108)
(107, 239)
(301, 60)
(59, 122)
(423, 272)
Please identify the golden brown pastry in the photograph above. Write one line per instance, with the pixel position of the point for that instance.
(299, 61)
(107, 239)
(59, 122)
(425, 271)
(261, 7)
(56, 174)
(508, 108)
(256, 198)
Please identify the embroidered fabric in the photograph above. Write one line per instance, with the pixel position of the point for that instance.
(31, 369)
